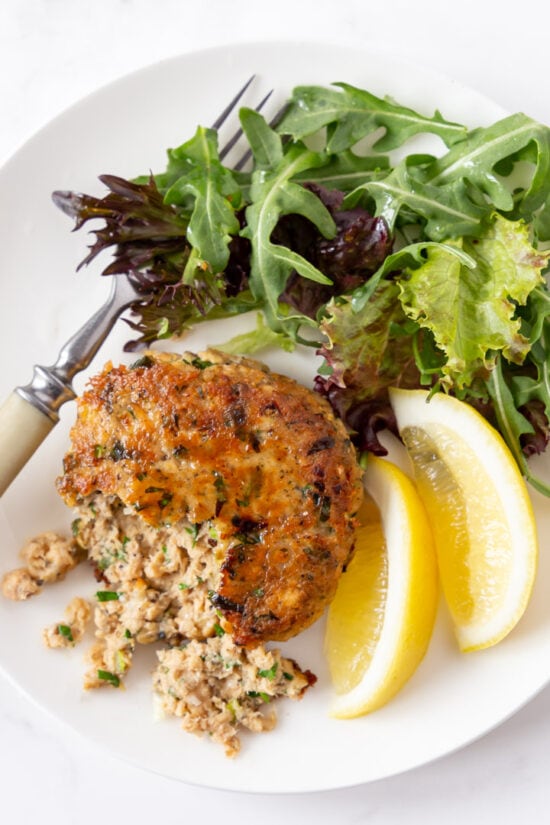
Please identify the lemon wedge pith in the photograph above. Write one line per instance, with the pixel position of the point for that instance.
(380, 622)
(480, 511)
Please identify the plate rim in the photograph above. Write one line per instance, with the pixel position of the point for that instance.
(70, 110)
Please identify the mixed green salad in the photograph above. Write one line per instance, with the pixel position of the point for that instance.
(400, 268)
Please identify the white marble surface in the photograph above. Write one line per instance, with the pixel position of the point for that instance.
(52, 52)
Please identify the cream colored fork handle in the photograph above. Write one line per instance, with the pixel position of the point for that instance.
(31, 411)
(22, 429)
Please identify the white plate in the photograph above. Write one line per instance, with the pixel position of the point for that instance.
(124, 129)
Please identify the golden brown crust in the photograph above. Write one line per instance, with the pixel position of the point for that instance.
(225, 440)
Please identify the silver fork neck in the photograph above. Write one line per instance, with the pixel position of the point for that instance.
(51, 387)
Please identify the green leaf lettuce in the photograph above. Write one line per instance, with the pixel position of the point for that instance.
(471, 310)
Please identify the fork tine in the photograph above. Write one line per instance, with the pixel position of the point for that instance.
(230, 106)
(248, 154)
(233, 140)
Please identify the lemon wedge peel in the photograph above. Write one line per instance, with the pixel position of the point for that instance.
(500, 548)
(410, 602)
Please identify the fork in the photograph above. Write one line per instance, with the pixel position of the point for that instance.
(31, 411)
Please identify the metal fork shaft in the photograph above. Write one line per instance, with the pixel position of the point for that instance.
(51, 386)
(30, 412)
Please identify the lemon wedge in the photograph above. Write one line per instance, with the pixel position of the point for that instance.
(380, 622)
(480, 511)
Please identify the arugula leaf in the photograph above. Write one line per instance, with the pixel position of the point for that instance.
(346, 170)
(512, 424)
(265, 144)
(343, 171)
(200, 184)
(352, 114)
(476, 158)
(471, 309)
(447, 211)
(452, 194)
(536, 316)
(536, 386)
(275, 194)
(541, 222)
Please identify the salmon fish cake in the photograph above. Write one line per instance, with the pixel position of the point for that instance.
(225, 444)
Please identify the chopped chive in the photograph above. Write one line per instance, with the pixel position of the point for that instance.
(65, 630)
(107, 595)
(255, 694)
(193, 532)
(219, 481)
(201, 364)
(218, 630)
(325, 509)
(268, 674)
(321, 444)
(107, 676)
